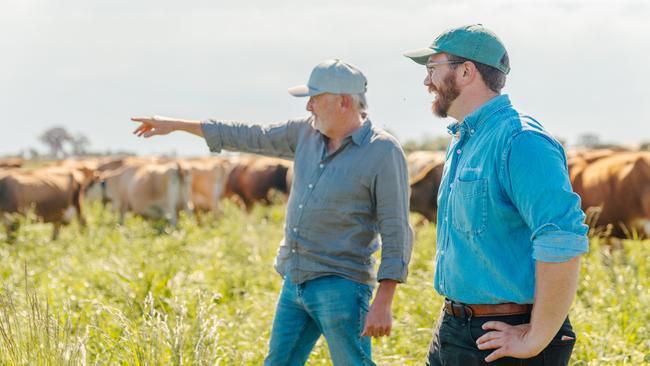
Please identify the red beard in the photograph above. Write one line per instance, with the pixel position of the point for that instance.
(445, 95)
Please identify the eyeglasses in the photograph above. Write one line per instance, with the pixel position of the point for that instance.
(431, 66)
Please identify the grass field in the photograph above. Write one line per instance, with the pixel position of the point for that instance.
(205, 294)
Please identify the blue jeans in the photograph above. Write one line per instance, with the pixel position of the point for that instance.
(333, 306)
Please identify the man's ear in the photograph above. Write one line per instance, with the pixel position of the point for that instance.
(467, 73)
(346, 101)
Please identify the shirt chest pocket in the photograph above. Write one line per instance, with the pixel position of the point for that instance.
(469, 206)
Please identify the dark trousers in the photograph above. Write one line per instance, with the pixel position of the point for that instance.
(454, 343)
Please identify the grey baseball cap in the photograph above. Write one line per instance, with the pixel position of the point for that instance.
(473, 42)
(334, 77)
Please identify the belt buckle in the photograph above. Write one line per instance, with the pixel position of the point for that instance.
(461, 310)
(468, 311)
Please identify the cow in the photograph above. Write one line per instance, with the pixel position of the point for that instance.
(251, 179)
(152, 190)
(418, 160)
(113, 163)
(577, 160)
(618, 188)
(209, 177)
(425, 173)
(424, 190)
(54, 195)
(289, 178)
(11, 163)
(105, 166)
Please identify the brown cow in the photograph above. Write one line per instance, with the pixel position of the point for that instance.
(112, 164)
(419, 160)
(619, 187)
(577, 160)
(209, 178)
(52, 194)
(589, 154)
(425, 173)
(11, 163)
(251, 179)
(424, 190)
(289, 178)
(151, 190)
(105, 166)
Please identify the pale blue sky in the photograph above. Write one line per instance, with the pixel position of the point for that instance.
(577, 66)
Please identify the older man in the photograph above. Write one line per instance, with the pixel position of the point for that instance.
(350, 184)
(510, 229)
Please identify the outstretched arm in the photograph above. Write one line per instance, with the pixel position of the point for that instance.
(278, 139)
(158, 125)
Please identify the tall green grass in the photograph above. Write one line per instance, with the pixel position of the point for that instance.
(143, 294)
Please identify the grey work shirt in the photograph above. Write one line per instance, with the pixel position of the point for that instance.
(339, 201)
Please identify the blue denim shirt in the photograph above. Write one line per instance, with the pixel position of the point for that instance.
(340, 203)
(505, 201)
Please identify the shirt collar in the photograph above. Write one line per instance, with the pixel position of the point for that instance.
(358, 137)
(453, 127)
(361, 134)
(475, 120)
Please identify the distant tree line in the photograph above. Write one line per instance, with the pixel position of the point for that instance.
(62, 144)
(585, 141)
(432, 143)
(593, 141)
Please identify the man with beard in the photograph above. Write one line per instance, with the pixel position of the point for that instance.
(350, 184)
(510, 230)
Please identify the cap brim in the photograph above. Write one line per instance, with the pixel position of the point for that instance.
(420, 55)
(303, 91)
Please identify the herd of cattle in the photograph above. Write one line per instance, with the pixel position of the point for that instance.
(614, 186)
(156, 188)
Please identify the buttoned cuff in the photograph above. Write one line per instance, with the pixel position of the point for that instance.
(552, 244)
(392, 269)
(212, 135)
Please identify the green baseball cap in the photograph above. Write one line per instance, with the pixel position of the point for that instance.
(334, 77)
(473, 42)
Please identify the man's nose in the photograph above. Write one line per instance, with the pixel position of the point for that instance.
(427, 80)
(309, 105)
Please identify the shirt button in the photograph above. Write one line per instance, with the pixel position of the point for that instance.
(295, 229)
(458, 151)
(300, 205)
(293, 250)
(310, 186)
(471, 131)
(322, 166)
(446, 219)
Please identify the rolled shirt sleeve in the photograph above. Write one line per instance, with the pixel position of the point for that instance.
(279, 139)
(540, 188)
(392, 202)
